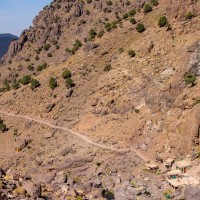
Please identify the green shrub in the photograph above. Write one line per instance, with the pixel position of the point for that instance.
(53, 83)
(54, 42)
(46, 47)
(132, 12)
(109, 2)
(49, 55)
(89, 1)
(107, 67)
(66, 74)
(154, 2)
(30, 68)
(38, 50)
(133, 21)
(162, 21)
(76, 47)
(147, 8)
(6, 85)
(189, 15)
(121, 50)
(15, 85)
(41, 67)
(92, 33)
(108, 27)
(37, 57)
(140, 28)
(25, 80)
(2, 90)
(69, 83)
(190, 79)
(57, 46)
(108, 195)
(34, 84)
(131, 53)
(100, 34)
(2, 126)
(125, 16)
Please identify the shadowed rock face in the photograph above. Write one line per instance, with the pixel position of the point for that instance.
(5, 40)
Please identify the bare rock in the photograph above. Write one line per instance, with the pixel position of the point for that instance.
(69, 92)
(192, 193)
(34, 190)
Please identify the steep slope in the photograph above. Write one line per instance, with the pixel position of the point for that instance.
(5, 40)
(147, 101)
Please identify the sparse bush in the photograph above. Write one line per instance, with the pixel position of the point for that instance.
(25, 80)
(121, 50)
(69, 82)
(147, 8)
(57, 46)
(46, 47)
(108, 27)
(30, 68)
(41, 67)
(54, 42)
(38, 50)
(53, 83)
(131, 53)
(15, 85)
(6, 85)
(66, 74)
(190, 79)
(34, 84)
(162, 21)
(92, 33)
(189, 15)
(109, 2)
(132, 12)
(125, 16)
(2, 90)
(76, 47)
(49, 55)
(140, 28)
(107, 67)
(89, 1)
(100, 34)
(37, 57)
(154, 2)
(2, 126)
(133, 21)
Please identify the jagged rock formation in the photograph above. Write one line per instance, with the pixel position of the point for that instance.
(5, 40)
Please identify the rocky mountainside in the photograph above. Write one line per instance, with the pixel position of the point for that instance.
(94, 90)
(5, 40)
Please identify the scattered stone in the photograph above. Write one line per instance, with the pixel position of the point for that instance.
(69, 92)
(34, 190)
(20, 191)
(65, 151)
(97, 183)
(49, 135)
(61, 177)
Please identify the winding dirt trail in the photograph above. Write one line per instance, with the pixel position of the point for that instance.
(83, 137)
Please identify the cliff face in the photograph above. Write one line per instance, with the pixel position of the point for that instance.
(63, 20)
(5, 40)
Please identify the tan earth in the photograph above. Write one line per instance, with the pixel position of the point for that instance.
(110, 122)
